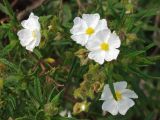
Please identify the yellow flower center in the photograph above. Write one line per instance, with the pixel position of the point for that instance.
(104, 46)
(34, 34)
(118, 95)
(89, 31)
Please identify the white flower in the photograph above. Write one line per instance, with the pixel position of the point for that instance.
(103, 46)
(30, 36)
(84, 28)
(65, 113)
(69, 115)
(123, 95)
(83, 107)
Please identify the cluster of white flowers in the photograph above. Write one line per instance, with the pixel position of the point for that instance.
(92, 32)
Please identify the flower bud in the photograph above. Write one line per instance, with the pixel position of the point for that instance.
(49, 60)
(81, 107)
(50, 109)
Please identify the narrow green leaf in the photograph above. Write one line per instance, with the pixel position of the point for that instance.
(37, 87)
(147, 12)
(133, 54)
(37, 53)
(11, 65)
(149, 116)
(108, 70)
(50, 95)
(67, 14)
(7, 9)
(55, 100)
(140, 73)
(3, 9)
(8, 48)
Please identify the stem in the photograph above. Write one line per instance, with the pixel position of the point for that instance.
(109, 70)
(73, 66)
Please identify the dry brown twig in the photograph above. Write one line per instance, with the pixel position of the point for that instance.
(14, 3)
(156, 35)
(27, 10)
(80, 4)
(35, 4)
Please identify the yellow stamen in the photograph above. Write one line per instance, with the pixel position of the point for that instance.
(34, 34)
(89, 31)
(118, 95)
(105, 46)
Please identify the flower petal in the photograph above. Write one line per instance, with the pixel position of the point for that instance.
(114, 40)
(38, 38)
(129, 93)
(119, 86)
(92, 46)
(63, 113)
(103, 35)
(80, 39)
(79, 26)
(112, 54)
(111, 106)
(95, 41)
(106, 94)
(25, 36)
(33, 16)
(31, 46)
(102, 24)
(31, 23)
(124, 105)
(97, 56)
(91, 19)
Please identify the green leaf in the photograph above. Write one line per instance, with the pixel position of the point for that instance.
(108, 70)
(50, 95)
(150, 116)
(3, 9)
(11, 65)
(140, 73)
(135, 53)
(37, 88)
(37, 53)
(7, 9)
(8, 48)
(112, 10)
(73, 67)
(147, 12)
(66, 14)
(56, 99)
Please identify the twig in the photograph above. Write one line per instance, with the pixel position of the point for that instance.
(35, 4)
(156, 35)
(14, 3)
(23, 13)
(3, 20)
(80, 4)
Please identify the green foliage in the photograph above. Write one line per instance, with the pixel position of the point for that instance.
(58, 75)
(93, 83)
